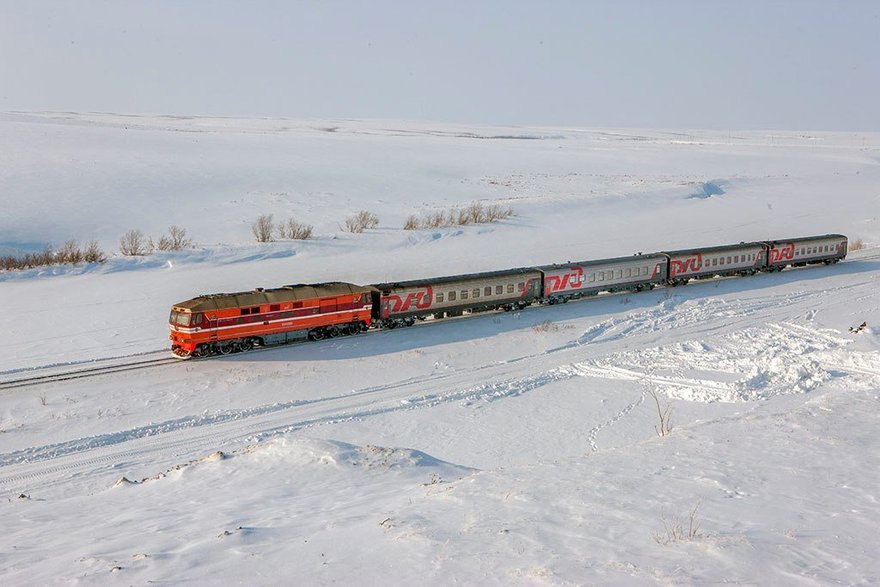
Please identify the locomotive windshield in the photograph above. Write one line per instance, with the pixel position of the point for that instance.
(180, 318)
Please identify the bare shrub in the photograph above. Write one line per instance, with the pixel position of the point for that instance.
(497, 212)
(93, 253)
(663, 414)
(69, 253)
(675, 531)
(475, 213)
(134, 244)
(411, 222)
(41, 259)
(263, 227)
(361, 221)
(295, 230)
(434, 220)
(545, 326)
(856, 245)
(176, 240)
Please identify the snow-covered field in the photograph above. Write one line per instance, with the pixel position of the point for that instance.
(508, 449)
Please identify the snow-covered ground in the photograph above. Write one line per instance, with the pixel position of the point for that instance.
(516, 448)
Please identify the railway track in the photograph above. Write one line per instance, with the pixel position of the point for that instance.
(95, 371)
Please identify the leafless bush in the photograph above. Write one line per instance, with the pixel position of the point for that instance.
(434, 220)
(675, 531)
(663, 414)
(263, 227)
(475, 213)
(545, 326)
(295, 230)
(856, 245)
(93, 253)
(135, 244)
(176, 240)
(361, 221)
(411, 223)
(497, 212)
(69, 253)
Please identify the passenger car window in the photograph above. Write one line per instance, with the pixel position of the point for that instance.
(440, 298)
(452, 296)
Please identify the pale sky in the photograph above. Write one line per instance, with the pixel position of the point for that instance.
(721, 64)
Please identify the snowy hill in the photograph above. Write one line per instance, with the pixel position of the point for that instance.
(515, 448)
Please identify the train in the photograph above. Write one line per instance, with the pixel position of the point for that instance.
(220, 324)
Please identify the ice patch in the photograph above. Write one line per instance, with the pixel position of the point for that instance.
(709, 189)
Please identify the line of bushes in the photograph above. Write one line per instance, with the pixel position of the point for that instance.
(132, 244)
(266, 230)
(475, 213)
(70, 253)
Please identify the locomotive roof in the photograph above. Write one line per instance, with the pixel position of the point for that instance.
(455, 278)
(259, 296)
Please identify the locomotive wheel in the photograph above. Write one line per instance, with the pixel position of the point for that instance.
(201, 351)
(246, 344)
(317, 334)
(332, 332)
(224, 348)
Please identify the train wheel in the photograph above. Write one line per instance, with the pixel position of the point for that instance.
(201, 351)
(246, 344)
(224, 348)
(317, 334)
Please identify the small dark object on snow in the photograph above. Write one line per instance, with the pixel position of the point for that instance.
(858, 328)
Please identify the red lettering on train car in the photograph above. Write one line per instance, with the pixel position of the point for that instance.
(572, 280)
(784, 254)
(419, 300)
(690, 265)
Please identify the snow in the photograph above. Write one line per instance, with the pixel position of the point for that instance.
(514, 448)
